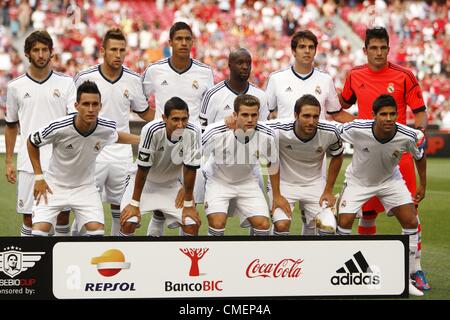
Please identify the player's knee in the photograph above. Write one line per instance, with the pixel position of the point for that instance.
(63, 218)
(261, 224)
(411, 222)
(282, 225)
(128, 227)
(191, 229)
(217, 220)
(27, 220)
(346, 220)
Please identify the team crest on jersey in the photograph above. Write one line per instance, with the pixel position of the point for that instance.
(180, 153)
(56, 93)
(206, 205)
(318, 90)
(319, 150)
(195, 85)
(97, 146)
(20, 203)
(396, 154)
(343, 203)
(126, 94)
(390, 87)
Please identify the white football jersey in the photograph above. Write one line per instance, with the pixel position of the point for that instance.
(164, 157)
(234, 154)
(118, 97)
(73, 158)
(161, 79)
(374, 162)
(301, 161)
(34, 104)
(286, 86)
(218, 103)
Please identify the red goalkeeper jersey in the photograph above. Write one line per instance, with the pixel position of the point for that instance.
(365, 85)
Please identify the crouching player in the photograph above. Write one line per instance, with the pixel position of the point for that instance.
(378, 146)
(70, 180)
(167, 146)
(303, 143)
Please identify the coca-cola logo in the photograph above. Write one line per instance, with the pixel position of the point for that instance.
(286, 268)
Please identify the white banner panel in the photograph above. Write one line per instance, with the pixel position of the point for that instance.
(180, 269)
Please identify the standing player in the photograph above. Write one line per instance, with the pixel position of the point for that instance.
(77, 140)
(285, 86)
(364, 84)
(219, 100)
(233, 153)
(189, 79)
(121, 91)
(302, 143)
(378, 146)
(33, 100)
(167, 147)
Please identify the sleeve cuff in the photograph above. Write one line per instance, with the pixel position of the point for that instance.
(191, 167)
(31, 141)
(420, 109)
(334, 112)
(139, 112)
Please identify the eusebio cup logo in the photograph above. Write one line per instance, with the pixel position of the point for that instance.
(110, 263)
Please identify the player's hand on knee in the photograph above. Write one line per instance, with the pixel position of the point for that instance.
(329, 198)
(420, 194)
(179, 201)
(129, 212)
(282, 203)
(40, 190)
(192, 213)
(10, 172)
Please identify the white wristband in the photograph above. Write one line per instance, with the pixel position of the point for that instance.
(134, 203)
(38, 177)
(189, 203)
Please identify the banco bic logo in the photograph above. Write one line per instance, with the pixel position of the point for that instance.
(356, 274)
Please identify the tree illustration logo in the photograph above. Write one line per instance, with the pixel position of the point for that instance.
(195, 254)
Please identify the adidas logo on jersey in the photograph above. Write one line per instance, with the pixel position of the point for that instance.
(69, 147)
(161, 148)
(143, 156)
(227, 107)
(349, 274)
(366, 149)
(27, 95)
(288, 89)
(289, 147)
(164, 83)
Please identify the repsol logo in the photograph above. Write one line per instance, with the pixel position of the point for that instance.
(204, 286)
(107, 286)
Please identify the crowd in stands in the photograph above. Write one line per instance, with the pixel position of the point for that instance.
(420, 35)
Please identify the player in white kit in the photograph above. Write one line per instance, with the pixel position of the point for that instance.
(302, 144)
(184, 77)
(168, 147)
(378, 146)
(33, 100)
(231, 156)
(77, 140)
(121, 91)
(285, 86)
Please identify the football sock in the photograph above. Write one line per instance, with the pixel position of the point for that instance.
(62, 230)
(115, 227)
(367, 224)
(25, 231)
(215, 232)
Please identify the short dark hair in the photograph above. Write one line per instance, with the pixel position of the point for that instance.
(114, 33)
(303, 34)
(376, 33)
(41, 36)
(307, 99)
(87, 87)
(175, 103)
(179, 26)
(384, 100)
(245, 100)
